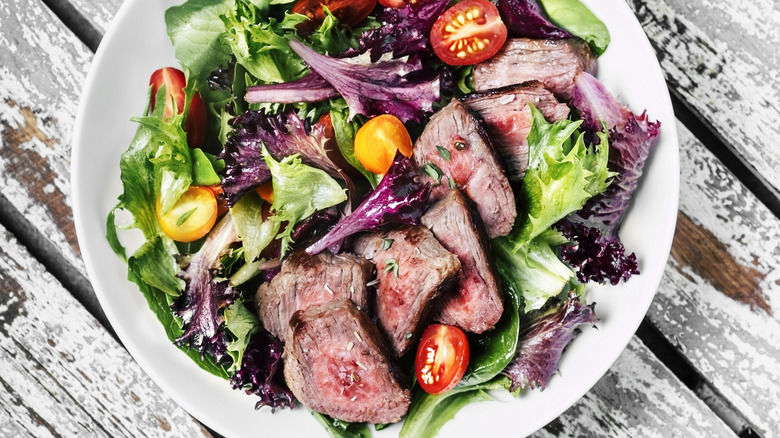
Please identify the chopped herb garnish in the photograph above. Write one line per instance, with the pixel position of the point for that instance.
(386, 244)
(183, 218)
(409, 335)
(444, 153)
(392, 265)
(451, 182)
(433, 171)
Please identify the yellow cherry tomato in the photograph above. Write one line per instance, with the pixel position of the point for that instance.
(192, 217)
(377, 141)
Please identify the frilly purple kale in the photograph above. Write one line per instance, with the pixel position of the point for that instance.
(394, 87)
(283, 135)
(542, 342)
(260, 372)
(597, 253)
(400, 198)
(204, 296)
(631, 138)
(593, 257)
(526, 19)
(403, 31)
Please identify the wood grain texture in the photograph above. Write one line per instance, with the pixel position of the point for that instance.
(42, 69)
(723, 59)
(638, 397)
(61, 373)
(719, 297)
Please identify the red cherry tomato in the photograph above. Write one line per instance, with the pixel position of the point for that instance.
(348, 12)
(442, 358)
(174, 81)
(397, 4)
(467, 33)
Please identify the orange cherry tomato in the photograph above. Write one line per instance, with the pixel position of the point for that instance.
(468, 33)
(377, 141)
(266, 192)
(348, 12)
(442, 358)
(191, 218)
(174, 81)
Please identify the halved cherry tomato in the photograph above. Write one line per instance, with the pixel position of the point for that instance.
(468, 33)
(442, 358)
(377, 141)
(174, 81)
(192, 217)
(348, 12)
(266, 192)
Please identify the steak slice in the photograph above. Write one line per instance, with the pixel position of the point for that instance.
(553, 62)
(455, 144)
(412, 270)
(306, 281)
(337, 363)
(507, 119)
(475, 305)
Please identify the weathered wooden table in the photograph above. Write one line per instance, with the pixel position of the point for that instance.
(705, 362)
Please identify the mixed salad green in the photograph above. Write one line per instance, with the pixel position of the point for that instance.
(286, 87)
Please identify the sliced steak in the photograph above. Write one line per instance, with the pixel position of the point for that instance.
(455, 144)
(337, 363)
(412, 270)
(475, 305)
(507, 118)
(553, 62)
(306, 281)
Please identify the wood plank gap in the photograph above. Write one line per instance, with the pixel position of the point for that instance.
(727, 154)
(43, 251)
(670, 356)
(77, 23)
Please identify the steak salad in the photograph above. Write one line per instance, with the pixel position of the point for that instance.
(379, 210)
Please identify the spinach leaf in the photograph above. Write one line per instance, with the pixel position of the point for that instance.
(342, 429)
(579, 21)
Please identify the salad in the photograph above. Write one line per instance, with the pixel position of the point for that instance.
(269, 94)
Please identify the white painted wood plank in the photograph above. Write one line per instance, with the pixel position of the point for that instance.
(638, 397)
(61, 373)
(719, 300)
(42, 70)
(723, 57)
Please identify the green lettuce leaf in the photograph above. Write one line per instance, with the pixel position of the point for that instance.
(254, 232)
(261, 44)
(197, 33)
(242, 323)
(157, 267)
(342, 429)
(561, 176)
(579, 21)
(299, 191)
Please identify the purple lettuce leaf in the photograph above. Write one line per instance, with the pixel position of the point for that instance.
(527, 19)
(310, 88)
(283, 135)
(542, 342)
(400, 198)
(205, 296)
(631, 138)
(403, 31)
(261, 372)
(394, 87)
(593, 257)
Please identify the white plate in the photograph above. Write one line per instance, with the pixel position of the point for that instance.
(115, 91)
